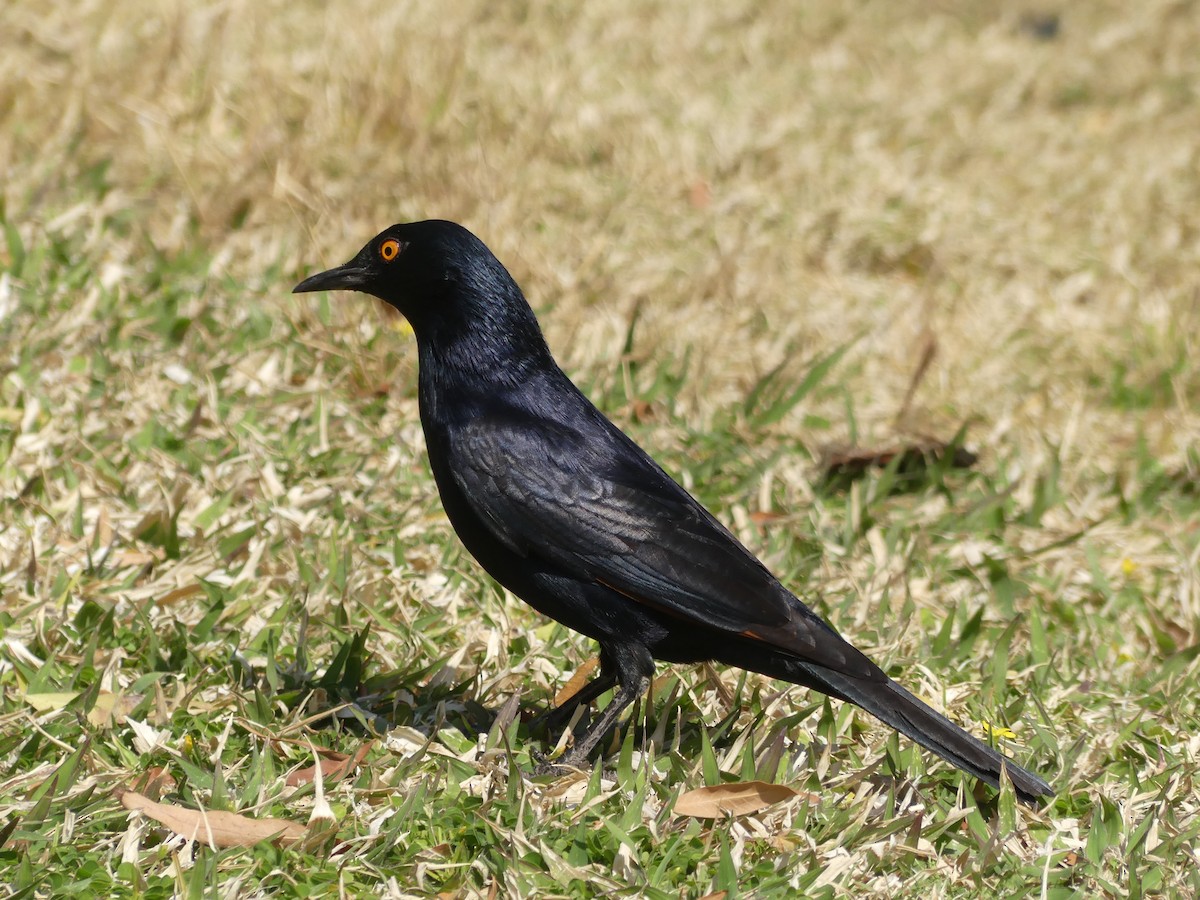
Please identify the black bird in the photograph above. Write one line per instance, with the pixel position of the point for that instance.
(567, 512)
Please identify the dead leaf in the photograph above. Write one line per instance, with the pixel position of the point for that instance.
(765, 517)
(333, 766)
(102, 536)
(640, 410)
(434, 854)
(50, 700)
(929, 347)
(506, 715)
(713, 681)
(153, 782)
(844, 465)
(738, 799)
(180, 593)
(132, 557)
(216, 828)
(107, 708)
(578, 680)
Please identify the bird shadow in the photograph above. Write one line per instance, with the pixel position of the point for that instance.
(348, 693)
(425, 697)
(429, 697)
(905, 468)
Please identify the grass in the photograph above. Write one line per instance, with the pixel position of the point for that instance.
(753, 235)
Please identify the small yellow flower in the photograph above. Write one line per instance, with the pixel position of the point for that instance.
(998, 730)
(1128, 566)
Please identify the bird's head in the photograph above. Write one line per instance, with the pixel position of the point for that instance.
(432, 272)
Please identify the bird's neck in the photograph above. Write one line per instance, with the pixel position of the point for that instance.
(468, 364)
(489, 348)
(477, 339)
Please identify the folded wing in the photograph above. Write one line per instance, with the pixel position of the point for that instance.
(599, 509)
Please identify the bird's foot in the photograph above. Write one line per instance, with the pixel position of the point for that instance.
(550, 721)
(564, 765)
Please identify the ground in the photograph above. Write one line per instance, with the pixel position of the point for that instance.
(758, 236)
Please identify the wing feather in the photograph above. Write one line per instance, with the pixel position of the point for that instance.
(600, 509)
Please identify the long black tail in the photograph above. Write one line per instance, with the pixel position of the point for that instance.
(894, 706)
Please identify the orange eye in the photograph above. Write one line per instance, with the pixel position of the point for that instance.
(389, 249)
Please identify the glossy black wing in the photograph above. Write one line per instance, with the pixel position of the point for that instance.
(597, 507)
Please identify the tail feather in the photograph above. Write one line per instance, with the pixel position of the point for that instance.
(894, 706)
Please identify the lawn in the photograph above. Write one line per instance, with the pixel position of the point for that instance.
(762, 239)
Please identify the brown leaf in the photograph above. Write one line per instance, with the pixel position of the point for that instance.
(845, 465)
(110, 708)
(507, 714)
(929, 346)
(153, 782)
(739, 799)
(107, 708)
(132, 557)
(333, 767)
(102, 536)
(180, 593)
(765, 517)
(641, 411)
(216, 828)
(578, 680)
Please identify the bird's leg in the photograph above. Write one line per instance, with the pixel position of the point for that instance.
(633, 667)
(577, 756)
(555, 718)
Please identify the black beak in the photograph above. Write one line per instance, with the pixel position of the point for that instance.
(350, 277)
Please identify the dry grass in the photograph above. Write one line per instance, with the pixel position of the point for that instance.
(760, 186)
